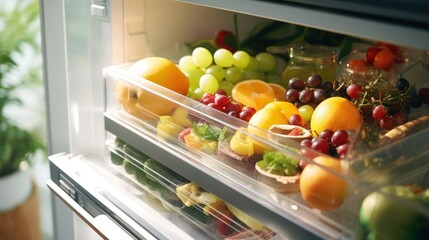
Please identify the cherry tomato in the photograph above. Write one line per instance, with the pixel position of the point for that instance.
(226, 39)
(384, 59)
(357, 64)
(393, 48)
(370, 54)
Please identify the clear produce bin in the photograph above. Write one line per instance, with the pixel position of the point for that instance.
(328, 206)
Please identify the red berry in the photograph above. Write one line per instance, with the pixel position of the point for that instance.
(326, 134)
(342, 150)
(296, 119)
(340, 137)
(353, 90)
(384, 59)
(387, 123)
(320, 145)
(222, 100)
(295, 132)
(370, 54)
(379, 112)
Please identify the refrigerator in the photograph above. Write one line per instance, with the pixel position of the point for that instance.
(88, 45)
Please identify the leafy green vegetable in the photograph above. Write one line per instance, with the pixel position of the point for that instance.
(278, 163)
(206, 131)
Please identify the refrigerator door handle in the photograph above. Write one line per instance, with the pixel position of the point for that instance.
(105, 227)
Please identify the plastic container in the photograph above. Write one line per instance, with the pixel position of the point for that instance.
(201, 208)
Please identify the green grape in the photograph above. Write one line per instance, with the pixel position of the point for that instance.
(252, 74)
(233, 75)
(306, 111)
(194, 76)
(198, 94)
(208, 83)
(227, 86)
(266, 61)
(186, 63)
(241, 59)
(223, 58)
(253, 64)
(216, 71)
(202, 57)
(274, 78)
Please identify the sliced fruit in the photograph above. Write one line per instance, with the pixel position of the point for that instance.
(253, 93)
(246, 219)
(241, 144)
(279, 91)
(286, 108)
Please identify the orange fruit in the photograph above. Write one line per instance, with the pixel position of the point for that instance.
(162, 72)
(335, 113)
(279, 91)
(263, 120)
(253, 93)
(320, 188)
(286, 108)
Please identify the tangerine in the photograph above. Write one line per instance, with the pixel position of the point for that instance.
(286, 108)
(260, 122)
(319, 187)
(162, 72)
(279, 91)
(335, 113)
(253, 93)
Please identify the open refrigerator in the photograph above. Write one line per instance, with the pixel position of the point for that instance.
(115, 176)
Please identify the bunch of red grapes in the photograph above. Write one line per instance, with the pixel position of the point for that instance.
(312, 92)
(220, 101)
(333, 143)
(387, 110)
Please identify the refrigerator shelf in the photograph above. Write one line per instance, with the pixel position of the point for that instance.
(179, 195)
(237, 182)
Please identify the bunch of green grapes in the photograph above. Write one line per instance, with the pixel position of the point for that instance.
(209, 73)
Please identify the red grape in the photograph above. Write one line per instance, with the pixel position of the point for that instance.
(296, 83)
(340, 137)
(387, 123)
(379, 112)
(249, 109)
(400, 118)
(292, 95)
(236, 107)
(222, 100)
(424, 95)
(245, 115)
(221, 92)
(306, 95)
(215, 106)
(319, 95)
(296, 119)
(306, 143)
(314, 81)
(207, 98)
(234, 114)
(342, 150)
(326, 134)
(320, 145)
(353, 90)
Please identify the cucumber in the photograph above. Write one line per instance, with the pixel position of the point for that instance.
(157, 172)
(133, 154)
(170, 196)
(129, 167)
(116, 158)
(195, 213)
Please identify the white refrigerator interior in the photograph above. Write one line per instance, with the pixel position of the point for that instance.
(83, 37)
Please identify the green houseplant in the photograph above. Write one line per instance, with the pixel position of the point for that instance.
(16, 143)
(19, 202)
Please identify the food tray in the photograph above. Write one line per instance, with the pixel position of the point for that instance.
(343, 220)
(160, 183)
